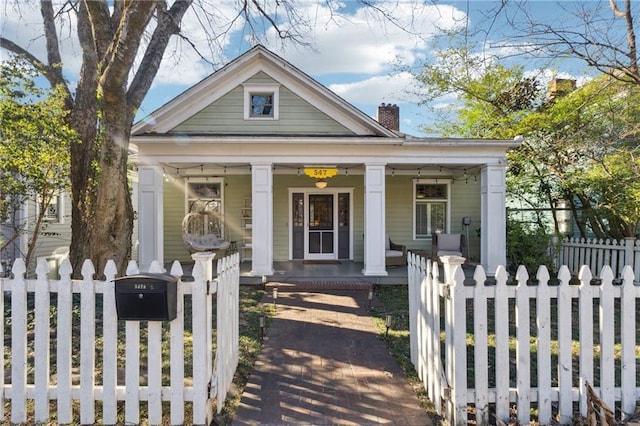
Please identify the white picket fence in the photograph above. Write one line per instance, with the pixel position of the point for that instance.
(42, 365)
(596, 253)
(550, 366)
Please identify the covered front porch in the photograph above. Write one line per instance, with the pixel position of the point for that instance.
(348, 271)
(370, 204)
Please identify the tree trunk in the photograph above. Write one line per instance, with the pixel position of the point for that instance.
(102, 212)
(102, 219)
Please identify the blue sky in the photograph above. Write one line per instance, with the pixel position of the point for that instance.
(354, 53)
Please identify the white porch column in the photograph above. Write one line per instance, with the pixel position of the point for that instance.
(262, 203)
(493, 233)
(150, 216)
(374, 219)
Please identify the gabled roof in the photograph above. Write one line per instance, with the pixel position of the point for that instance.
(259, 59)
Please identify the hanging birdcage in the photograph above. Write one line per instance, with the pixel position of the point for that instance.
(202, 228)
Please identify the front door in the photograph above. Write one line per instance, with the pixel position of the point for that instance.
(320, 225)
(321, 231)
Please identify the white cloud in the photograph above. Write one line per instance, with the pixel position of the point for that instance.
(22, 24)
(375, 90)
(546, 75)
(361, 42)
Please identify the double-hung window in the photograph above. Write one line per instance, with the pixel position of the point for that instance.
(431, 200)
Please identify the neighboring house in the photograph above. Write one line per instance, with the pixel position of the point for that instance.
(55, 234)
(241, 141)
(54, 238)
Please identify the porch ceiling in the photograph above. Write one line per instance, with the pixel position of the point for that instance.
(191, 169)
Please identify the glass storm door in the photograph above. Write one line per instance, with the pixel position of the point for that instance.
(321, 232)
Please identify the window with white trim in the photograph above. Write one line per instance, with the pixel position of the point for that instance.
(431, 201)
(54, 209)
(261, 101)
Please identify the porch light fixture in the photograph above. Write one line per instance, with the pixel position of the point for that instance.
(321, 174)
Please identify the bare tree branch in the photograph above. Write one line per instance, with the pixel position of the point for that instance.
(594, 38)
(54, 69)
(124, 42)
(168, 24)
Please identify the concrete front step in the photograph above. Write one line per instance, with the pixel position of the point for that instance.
(314, 285)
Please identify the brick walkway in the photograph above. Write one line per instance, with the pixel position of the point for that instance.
(323, 364)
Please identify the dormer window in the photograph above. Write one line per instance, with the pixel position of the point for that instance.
(261, 102)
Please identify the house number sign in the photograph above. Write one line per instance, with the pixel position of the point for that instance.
(320, 172)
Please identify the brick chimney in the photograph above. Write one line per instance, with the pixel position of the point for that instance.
(559, 87)
(389, 116)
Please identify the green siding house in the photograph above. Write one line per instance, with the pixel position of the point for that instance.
(294, 172)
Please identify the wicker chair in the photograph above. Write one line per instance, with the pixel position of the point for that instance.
(395, 254)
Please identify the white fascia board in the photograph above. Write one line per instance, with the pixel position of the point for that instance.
(420, 142)
(261, 140)
(340, 152)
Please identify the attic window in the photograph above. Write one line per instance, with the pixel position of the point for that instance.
(261, 105)
(261, 102)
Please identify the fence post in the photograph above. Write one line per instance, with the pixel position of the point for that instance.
(450, 263)
(202, 274)
(455, 316)
(177, 353)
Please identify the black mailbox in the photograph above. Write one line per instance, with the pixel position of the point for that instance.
(146, 297)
